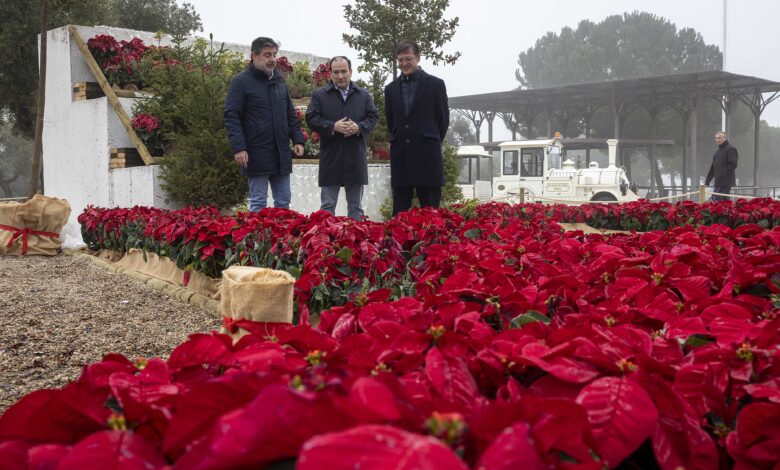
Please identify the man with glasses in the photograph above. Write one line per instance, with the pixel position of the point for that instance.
(418, 116)
(260, 122)
(722, 171)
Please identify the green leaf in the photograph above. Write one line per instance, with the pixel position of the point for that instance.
(530, 316)
(473, 233)
(416, 248)
(344, 254)
(695, 341)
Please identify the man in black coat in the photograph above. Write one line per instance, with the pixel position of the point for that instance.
(343, 114)
(418, 116)
(260, 122)
(722, 170)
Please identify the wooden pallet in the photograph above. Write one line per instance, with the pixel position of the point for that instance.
(124, 158)
(91, 90)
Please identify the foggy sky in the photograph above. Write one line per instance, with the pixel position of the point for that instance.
(492, 33)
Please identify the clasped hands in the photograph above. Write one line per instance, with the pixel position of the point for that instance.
(346, 126)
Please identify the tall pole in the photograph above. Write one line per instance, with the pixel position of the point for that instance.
(725, 48)
(35, 176)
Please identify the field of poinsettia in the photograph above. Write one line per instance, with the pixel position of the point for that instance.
(483, 337)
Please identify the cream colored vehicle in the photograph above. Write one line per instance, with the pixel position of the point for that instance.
(537, 168)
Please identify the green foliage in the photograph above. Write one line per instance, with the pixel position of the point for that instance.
(632, 45)
(460, 132)
(159, 15)
(299, 81)
(382, 24)
(376, 88)
(386, 209)
(189, 99)
(450, 192)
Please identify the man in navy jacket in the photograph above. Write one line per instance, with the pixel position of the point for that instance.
(343, 114)
(260, 122)
(418, 116)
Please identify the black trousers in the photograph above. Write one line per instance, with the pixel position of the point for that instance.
(722, 190)
(429, 196)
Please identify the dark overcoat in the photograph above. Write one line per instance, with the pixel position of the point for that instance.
(724, 163)
(260, 118)
(416, 138)
(342, 159)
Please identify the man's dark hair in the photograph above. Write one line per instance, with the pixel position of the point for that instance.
(339, 57)
(263, 42)
(404, 46)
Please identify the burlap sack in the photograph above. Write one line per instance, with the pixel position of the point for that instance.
(38, 222)
(164, 269)
(205, 285)
(257, 294)
(154, 266)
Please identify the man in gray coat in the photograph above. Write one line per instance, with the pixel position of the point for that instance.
(722, 171)
(343, 114)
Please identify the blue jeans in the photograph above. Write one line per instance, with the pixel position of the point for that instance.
(329, 196)
(258, 191)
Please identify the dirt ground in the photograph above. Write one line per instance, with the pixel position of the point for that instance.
(58, 314)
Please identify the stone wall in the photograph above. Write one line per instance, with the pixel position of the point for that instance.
(306, 192)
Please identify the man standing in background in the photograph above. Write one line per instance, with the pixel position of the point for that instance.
(260, 122)
(343, 114)
(722, 171)
(418, 116)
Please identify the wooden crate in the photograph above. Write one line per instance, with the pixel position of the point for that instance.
(86, 91)
(124, 158)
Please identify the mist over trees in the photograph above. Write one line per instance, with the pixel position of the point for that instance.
(631, 45)
(15, 152)
(637, 45)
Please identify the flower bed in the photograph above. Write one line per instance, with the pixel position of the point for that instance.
(489, 341)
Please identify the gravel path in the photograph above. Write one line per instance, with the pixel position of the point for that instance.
(58, 314)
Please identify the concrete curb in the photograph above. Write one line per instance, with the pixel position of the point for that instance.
(177, 292)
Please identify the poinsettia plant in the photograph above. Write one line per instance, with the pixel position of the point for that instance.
(321, 75)
(311, 147)
(148, 129)
(492, 339)
(120, 60)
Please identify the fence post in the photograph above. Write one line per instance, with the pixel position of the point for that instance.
(701, 194)
(522, 195)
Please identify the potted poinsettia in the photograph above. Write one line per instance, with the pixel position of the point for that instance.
(148, 129)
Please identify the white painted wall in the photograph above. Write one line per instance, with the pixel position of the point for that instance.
(77, 136)
(306, 192)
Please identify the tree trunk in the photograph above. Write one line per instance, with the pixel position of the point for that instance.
(659, 181)
(35, 173)
(6, 187)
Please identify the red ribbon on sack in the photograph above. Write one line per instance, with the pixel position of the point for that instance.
(260, 328)
(24, 233)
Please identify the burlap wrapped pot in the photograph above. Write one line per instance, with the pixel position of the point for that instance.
(256, 294)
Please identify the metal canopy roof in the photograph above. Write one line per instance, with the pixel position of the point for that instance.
(666, 88)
